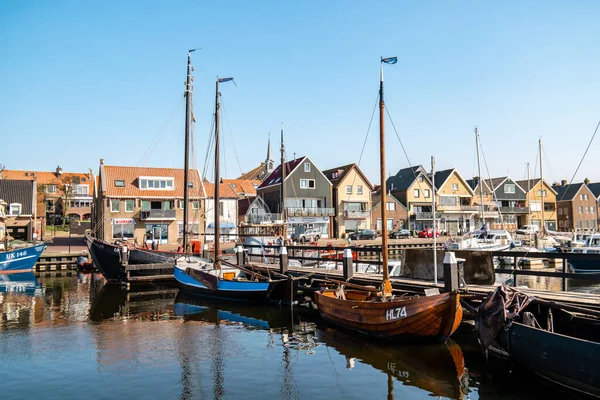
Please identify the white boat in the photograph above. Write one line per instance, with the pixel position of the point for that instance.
(592, 246)
(493, 240)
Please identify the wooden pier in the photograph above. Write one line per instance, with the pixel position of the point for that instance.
(57, 261)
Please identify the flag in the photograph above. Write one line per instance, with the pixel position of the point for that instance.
(193, 118)
(390, 60)
(221, 80)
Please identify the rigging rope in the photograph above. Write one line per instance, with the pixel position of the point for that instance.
(161, 132)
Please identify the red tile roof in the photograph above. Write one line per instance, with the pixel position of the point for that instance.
(226, 191)
(131, 174)
(50, 178)
(243, 187)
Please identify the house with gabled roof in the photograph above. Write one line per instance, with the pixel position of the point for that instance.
(595, 188)
(228, 210)
(59, 194)
(253, 210)
(307, 199)
(540, 198)
(396, 213)
(504, 203)
(576, 207)
(351, 198)
(20, 220)
(146, 204)
(412, 187)
(453, 202)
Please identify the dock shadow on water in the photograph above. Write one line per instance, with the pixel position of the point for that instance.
(72, 337)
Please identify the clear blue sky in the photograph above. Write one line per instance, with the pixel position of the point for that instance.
(83, 80)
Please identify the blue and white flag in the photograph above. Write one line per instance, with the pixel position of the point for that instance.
(221, 80)
(390, 60)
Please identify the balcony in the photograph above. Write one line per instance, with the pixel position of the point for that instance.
(261, 218)
(356, 214)
(457, 208)
(310, 212)
(427, 215)
(158, 215)
(514, 210)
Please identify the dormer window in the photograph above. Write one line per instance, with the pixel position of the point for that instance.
(190, 184)
(14, 209)
(120, 183)
(233, 185)
(255, 185)
(157, 183)
(50, 188)
(306, 167)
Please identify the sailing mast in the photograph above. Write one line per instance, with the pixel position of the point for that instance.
(433, 219)
(186, 166)
(479, 172)
(217, 206)
(387, 287)
(282, 199)
(529, 199)
(543, 228)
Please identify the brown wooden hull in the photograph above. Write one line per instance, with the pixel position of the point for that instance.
(429, 318)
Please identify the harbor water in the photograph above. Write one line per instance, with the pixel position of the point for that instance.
(73, 337)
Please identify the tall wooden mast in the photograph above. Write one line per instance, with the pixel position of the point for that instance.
(216, 208)
(480, 177)
(282, 195)
(543, 227)
(384, 238)
(186, 166)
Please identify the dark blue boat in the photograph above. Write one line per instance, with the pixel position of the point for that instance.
(22, 259)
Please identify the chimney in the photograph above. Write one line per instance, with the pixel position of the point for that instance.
(102, 161)
(563, 182)
(58, 171)
(586, 181)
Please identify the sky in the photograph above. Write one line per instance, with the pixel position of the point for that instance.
(85, 80)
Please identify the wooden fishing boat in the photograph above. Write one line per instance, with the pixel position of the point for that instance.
(219, 279)
(20, 259)
(380, 314)
(106, 256)
(558, 342)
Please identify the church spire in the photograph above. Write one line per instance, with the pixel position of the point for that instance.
(269, 164)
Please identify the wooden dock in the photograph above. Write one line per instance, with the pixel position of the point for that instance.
(57, 261)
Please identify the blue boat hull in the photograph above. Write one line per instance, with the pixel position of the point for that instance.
(246, 291)
(20, 259)
(585, 266)
(20, 282)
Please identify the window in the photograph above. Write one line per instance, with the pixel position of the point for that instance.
(390, 206)
(145, 204)
(195, 205)
(420, 178)
(586, 197)
(587, 209)
(157, 183)
(560, 224)
(559, 211)
(455, 186)
(311, 183)
(128, 205)
(50, 188)
(581, 197)
(192, 229)
(115, 205)
(359, 189)
(255, 185)
(303, 183)
(580, 209)
(509, 188)
(180, 204)
(120, 183)
(123, 231)
(592, 209)
(541, 193)
(306, 167)
(191, 184)
(14, 209)
(416, 193)
(80, 189)
(426, 193)
(348, 189)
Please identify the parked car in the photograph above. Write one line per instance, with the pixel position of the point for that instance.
(364, 234)
(528, 229)
(399, 233)
(308, 235)
(428, 233)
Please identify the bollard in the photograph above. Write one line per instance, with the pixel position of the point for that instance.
(283, 260)
(204, 251)
(347, 262)
(240, 255)
(124, 255)
(450, 272)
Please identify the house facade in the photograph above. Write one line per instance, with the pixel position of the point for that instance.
(351, 197)
(146, 204)
(454, 197)
(412, 187)
(307, 197)
(541, 200)
(396, 213)
(20, 221)
(505, 201)
(60, 195)
(228, 211)
(595, 188)
(576, 207)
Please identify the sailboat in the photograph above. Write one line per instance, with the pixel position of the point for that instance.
(381, 314)
(218, 278)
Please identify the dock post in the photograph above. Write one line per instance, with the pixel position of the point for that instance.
(450, 272)
(564, 271)
(283, 260)
(348, 267)
(240, 255)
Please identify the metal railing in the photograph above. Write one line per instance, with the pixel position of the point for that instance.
(157, 214)
(514, 210)
(356, 214)
(457, 208)
(312, 211)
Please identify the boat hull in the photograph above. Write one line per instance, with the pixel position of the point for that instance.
(143, 256)
(106, 258)
(204, 284)
(427, 318)
(565, 360)
(585, 266)
(22, 259)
